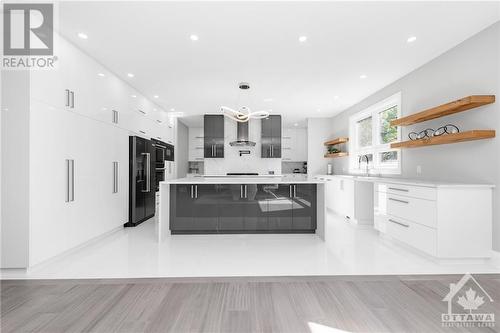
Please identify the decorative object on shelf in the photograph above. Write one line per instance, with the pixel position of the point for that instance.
(429, 132)
(446, 129)
(332, 150)
(243, 113)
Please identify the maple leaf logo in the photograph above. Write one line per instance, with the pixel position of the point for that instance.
(470, 301)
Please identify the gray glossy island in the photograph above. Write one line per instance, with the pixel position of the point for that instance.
(224, 205)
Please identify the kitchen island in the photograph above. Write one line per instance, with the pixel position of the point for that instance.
(229, 205)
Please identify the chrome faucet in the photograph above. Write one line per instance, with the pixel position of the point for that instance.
(367, 163)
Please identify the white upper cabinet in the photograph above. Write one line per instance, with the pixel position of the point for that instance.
(294, 145)
(82, 85)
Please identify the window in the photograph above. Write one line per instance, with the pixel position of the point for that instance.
(372, 135)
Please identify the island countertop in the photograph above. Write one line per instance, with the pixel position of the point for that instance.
(245, 180)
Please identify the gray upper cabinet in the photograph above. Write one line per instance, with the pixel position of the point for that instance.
(213, 146)
(271, 137)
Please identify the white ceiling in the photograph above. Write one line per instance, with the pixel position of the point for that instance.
(258, 42)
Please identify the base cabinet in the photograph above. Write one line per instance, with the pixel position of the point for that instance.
(243, 208)
(444, 222)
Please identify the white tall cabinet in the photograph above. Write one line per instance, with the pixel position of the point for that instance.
(80, 118)
(294, 145)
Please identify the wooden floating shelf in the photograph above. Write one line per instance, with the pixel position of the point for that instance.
(336, 141)
(341, 154)
(460, 105)
(446, 139)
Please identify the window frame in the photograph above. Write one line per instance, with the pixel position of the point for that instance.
(377, 147)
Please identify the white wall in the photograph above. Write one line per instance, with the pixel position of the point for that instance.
(15, 169)
(181, 150)
(233, 162)
(470, 68)
(319, 130)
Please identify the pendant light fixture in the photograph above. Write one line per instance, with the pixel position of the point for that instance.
(243, 113)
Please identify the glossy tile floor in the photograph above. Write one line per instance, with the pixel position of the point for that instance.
(134, 252)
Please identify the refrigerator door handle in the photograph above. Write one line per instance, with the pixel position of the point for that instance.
(148, 172)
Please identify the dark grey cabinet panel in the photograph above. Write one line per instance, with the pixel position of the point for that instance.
(279, 207)
(213, 136)
(271, 137)
(193, 208)
(256, 207)
(231, 207)
(304, 206)
(205, 207)
(181, 208)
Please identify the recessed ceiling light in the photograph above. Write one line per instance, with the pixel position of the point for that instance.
(154, 109)
(335, 97)
(133, 96)
(83, 35)
(104, 109)
(295, 124)
(302, 39)
(172, 109)
(363, 76)
(194, 37)
(411, 39)
(318, 110)
(130, 75)
(156, 96)
(100, 74)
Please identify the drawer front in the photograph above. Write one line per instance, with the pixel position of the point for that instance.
(412, 209)
(416, 235)
(421, 192)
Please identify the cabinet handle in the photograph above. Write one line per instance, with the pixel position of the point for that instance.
(196, 191)
(294, 191)
(399, 223)
(290, 191)
(67, 97)
(399, 189)
(241, 191)
(192, 192)
(246, 194)
(115, 177)
(397, 200)
(70, 180)
(72, 99)
(115, 117)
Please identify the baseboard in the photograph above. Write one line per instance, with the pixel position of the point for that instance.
(73, 249)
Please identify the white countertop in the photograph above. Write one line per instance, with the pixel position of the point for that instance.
(407, 181)
(246, 180)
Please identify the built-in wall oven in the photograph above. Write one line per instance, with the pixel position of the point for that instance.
(164, 161)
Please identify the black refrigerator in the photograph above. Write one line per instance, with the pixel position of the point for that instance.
(142, 161)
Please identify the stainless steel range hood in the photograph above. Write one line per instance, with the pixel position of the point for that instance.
(242, 136)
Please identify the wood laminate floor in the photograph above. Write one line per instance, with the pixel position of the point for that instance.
(281, 304)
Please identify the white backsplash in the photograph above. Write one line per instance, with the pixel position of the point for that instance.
(233, 162)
